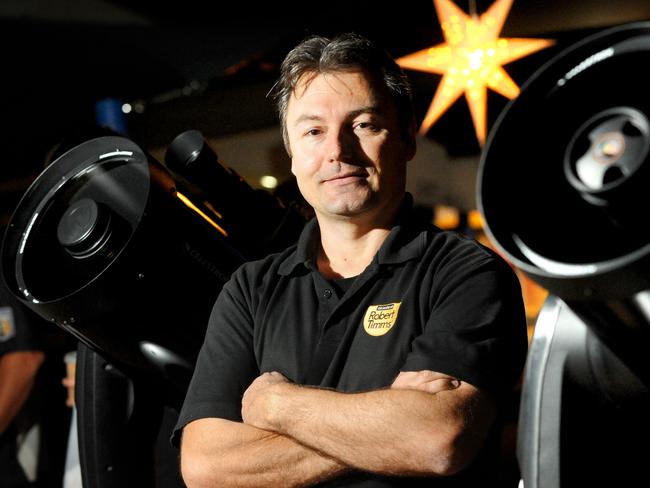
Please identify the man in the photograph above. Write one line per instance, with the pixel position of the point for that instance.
(20, 360)
(33, 417)
(379, 351)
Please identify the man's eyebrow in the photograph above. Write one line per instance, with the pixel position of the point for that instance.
(308, 117)
(370, 109)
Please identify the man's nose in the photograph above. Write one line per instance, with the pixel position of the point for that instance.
(340, 145)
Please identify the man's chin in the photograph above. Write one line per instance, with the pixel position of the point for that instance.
(348, 209)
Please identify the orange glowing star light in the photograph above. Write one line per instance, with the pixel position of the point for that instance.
(470, 61)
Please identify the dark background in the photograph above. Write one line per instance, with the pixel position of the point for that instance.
(208, 65)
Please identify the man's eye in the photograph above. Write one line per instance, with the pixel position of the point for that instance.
(367, 126)
(313, 132)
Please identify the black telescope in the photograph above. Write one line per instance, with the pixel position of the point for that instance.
(128, 254)
(564, 189)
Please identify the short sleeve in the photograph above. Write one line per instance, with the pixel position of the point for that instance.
(226, 364)
(477, 328)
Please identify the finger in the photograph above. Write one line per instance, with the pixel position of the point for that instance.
(439, 385)
(425, 380)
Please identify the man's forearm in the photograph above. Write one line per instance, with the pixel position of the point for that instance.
(386, 431)
(17, 373)
(245, 456)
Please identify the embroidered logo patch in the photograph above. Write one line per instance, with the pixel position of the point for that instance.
(379, 319)
(7, 328)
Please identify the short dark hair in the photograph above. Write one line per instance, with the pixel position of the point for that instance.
(345, 52)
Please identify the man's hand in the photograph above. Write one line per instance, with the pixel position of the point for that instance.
(258, 406)
(425, 380)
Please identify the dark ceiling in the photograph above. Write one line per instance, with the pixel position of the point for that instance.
(193, 64)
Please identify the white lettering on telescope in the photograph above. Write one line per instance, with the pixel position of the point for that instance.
(590, 61)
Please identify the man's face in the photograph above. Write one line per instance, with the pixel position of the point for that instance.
(348, 153)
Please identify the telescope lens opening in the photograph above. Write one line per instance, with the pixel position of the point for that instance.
(77, 228)
(607, 150)
(565, 171)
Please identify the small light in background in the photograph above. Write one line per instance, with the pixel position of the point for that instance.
(446, 217)
(474, 220)
(268, 182)
(126, 108)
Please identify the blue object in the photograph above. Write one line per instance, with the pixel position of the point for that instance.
(108, 113)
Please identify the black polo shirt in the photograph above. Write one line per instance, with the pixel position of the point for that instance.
(429, 300)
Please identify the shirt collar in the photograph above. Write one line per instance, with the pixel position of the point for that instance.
(306, 250)
(407, 240)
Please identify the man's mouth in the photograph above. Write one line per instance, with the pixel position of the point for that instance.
(346, 177)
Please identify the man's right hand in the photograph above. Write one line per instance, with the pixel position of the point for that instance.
(425, 380)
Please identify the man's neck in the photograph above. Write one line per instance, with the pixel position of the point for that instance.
(348, 245)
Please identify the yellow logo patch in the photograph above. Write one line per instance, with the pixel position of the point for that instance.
(379, 319)
(7, 328)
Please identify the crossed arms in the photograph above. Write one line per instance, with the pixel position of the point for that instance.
(426, 423)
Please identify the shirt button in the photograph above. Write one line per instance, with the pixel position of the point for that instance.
(327, 293)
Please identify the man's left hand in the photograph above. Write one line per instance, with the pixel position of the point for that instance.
(260, 403)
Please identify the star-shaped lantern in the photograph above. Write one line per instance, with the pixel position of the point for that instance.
(470, 61)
